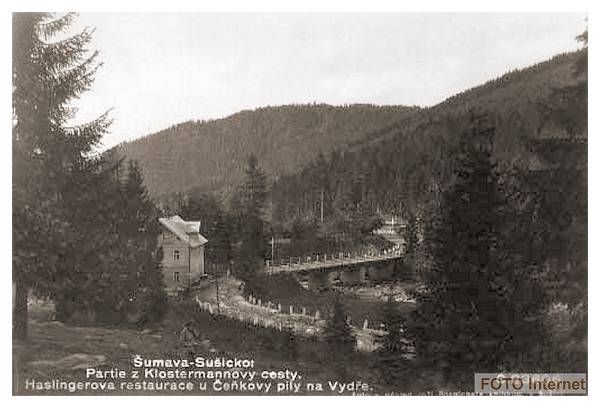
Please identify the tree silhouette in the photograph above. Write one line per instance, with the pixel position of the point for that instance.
(341, 342)
(48, 155)
(390, 356)
(248, 208)
(476, 316)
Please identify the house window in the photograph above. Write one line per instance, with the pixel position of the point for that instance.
(175, 255)
(176, 276)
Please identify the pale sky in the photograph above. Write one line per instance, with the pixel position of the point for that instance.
(163, 69)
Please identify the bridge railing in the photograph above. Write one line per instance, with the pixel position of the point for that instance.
(337, 258)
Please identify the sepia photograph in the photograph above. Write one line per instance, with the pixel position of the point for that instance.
(299, 204)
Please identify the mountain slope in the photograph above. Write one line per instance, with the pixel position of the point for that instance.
(398, 167)
(211, 155)
(518, 92)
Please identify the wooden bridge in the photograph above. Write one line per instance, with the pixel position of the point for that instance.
(330, 261)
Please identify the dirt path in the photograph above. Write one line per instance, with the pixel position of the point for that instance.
(233, 304)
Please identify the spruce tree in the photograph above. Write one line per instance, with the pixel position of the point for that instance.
(48, 155)
(475, 315)
(411, 238)
(141, 228)
(101, 253)
(341, 342)
(116, 241)
(553, 191)
(248, 207)
(552, 196)
(290, 345)
(215, 226)
(390, 355)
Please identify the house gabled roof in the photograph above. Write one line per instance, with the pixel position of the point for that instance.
(187, 231)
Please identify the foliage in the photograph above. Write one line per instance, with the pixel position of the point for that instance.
(395, 160)
(340, 340)
(216, 226)
(115, 243)
(211, 155)
(48, 155)
(247, 208)
(552, 199)
(141, 230)
(412, 240)
(81, 237)
(390, 355)
(402, 167)
(482, 311)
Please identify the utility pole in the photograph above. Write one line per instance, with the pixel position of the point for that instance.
(216, 272)
(272, 251)
(322, 206)
(217, 289)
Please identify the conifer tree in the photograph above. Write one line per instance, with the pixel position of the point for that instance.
(143, 228)
(390, 355)
(476, 314)
(411, 239)
(248, 207)
(215, 226)
(47, 153)
(97, 257)
(552, 198)
(116, 243)
(554, 191)
(341, 342)
(290, 345)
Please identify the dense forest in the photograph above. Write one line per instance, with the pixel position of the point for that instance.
(401, 170)
(350, 165)
(398, 167)
(210, 155)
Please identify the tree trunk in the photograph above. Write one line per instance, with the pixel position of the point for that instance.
(20, 311)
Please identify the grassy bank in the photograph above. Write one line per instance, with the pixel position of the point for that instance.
(287, 291)
(51, 343)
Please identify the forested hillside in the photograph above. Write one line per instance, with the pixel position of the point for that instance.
(397, 168)
(210, 155)
(397, 146)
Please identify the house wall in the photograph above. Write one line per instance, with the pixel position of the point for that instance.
(170, 266)
(190, 264)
